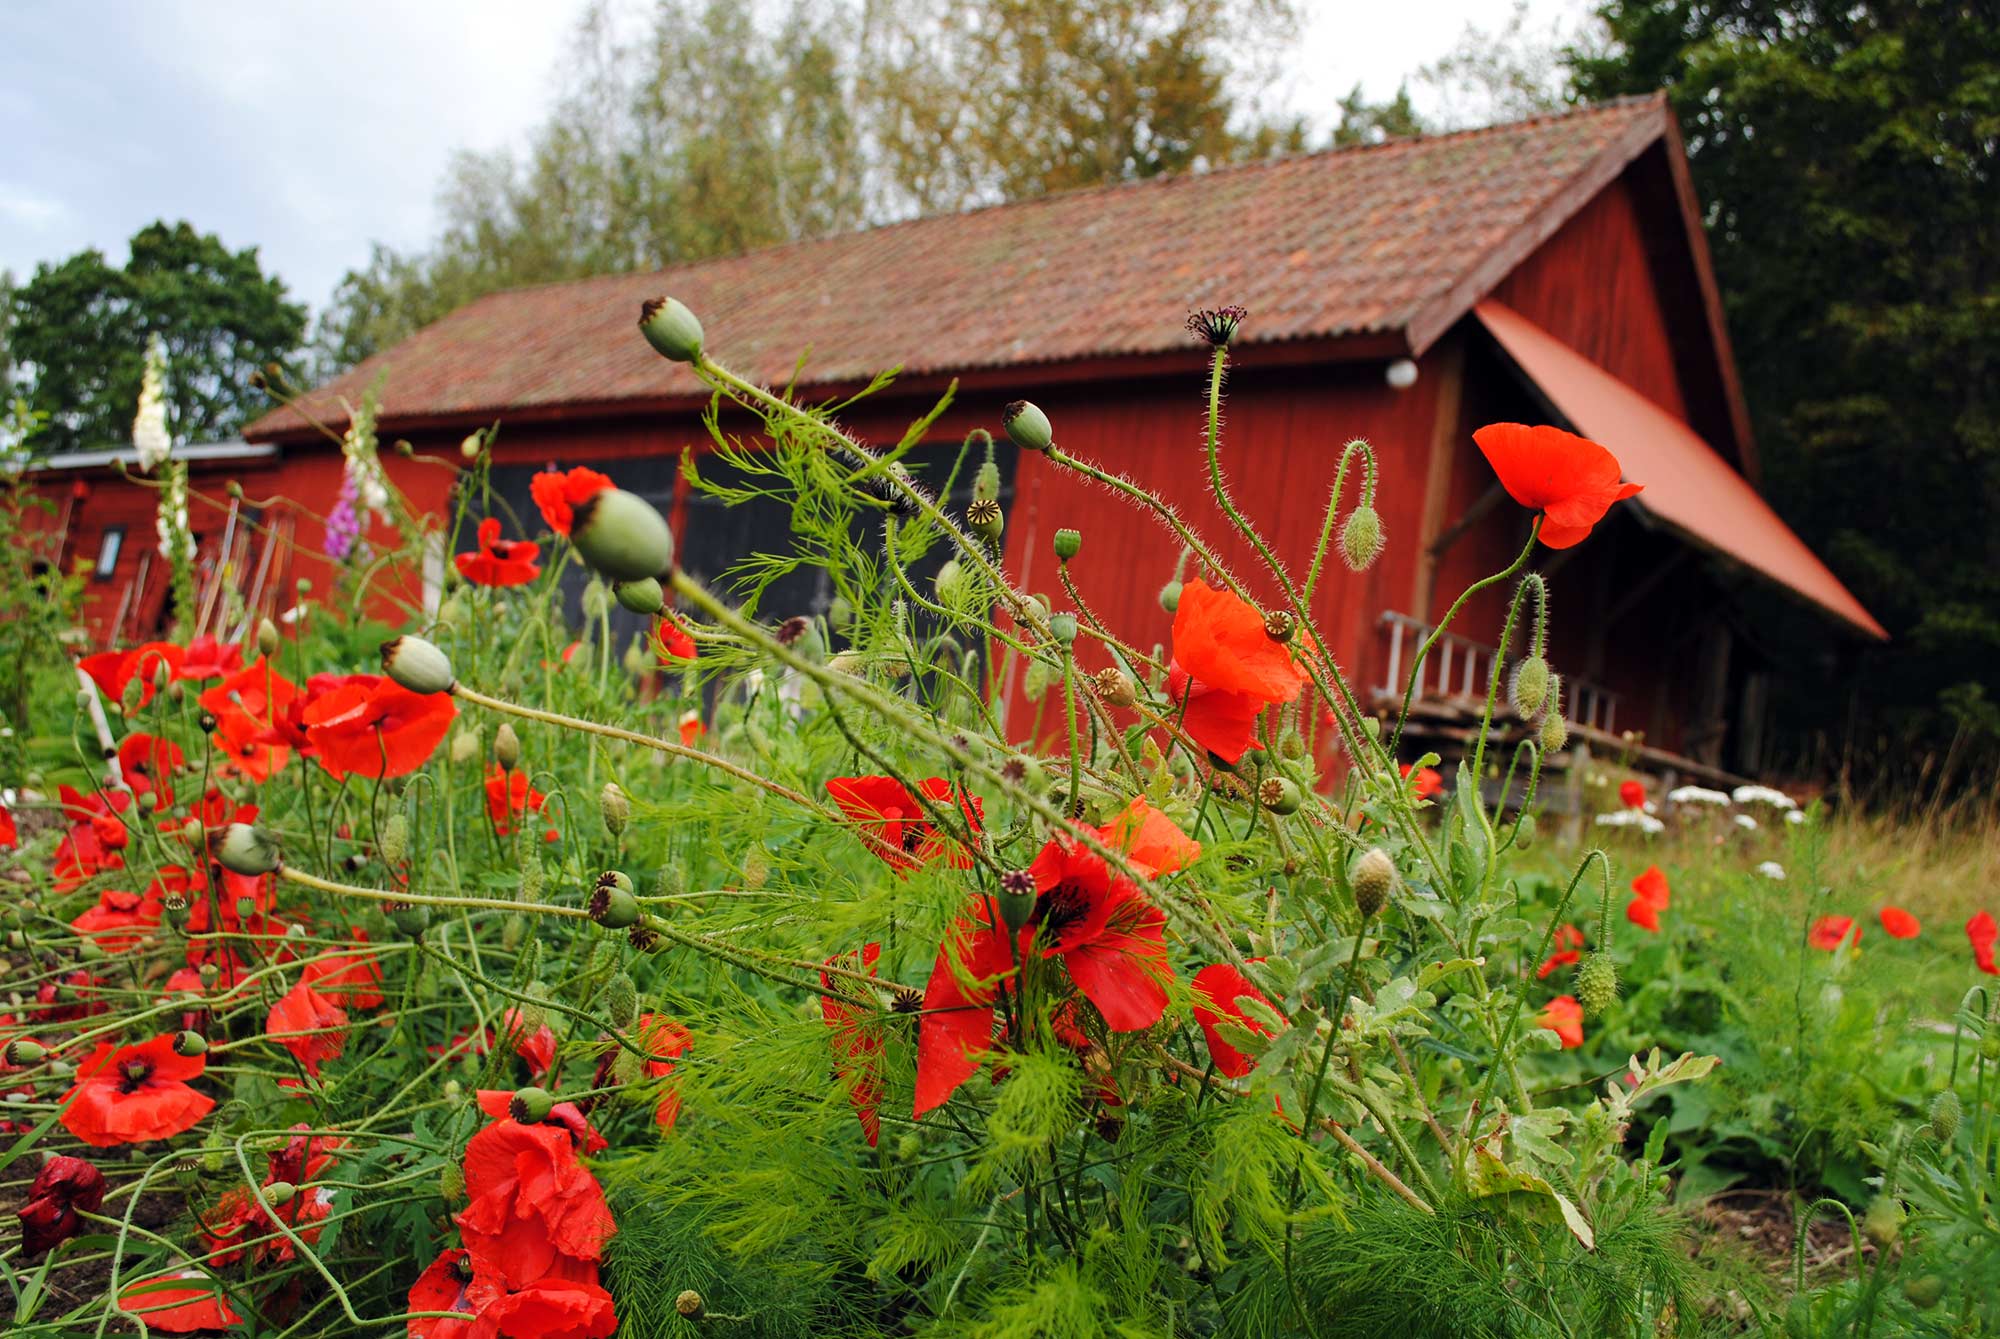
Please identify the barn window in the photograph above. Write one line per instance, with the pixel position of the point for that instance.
(108, 549)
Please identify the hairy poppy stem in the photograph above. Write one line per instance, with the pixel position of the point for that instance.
(304, 880)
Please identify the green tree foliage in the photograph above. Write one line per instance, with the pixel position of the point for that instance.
(1846, 154)
(714, 131)
(80, 326)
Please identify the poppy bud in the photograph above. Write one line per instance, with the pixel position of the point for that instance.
(1528, 686)
(190, 1043)
(163, 674)
(951, 583)
(395, 839)
(613, 907)
(671, 329)
(1883, 1222)
(506, 747)
(130, 698)
(1597, 984)
(280, 1193)
(617, 810)
(417, 665)
(1361, 538)
(1946, 1110)
(267, 637)
(621, 1000)
(1281, 795)
(596, 603)
(1062, 627)
(243, 849)
(1554, 732)
(24, 1052)
(1170, 596)
(465, 746)
(451, 1182)
(1016, 898)
(1279, 626)
(622, 536)
(643, 596)
(690, 1305)
(1924, 1292)
(1028, 426)
(1989, 1046)
(986, 479)
(531, 1105)
(1373, 878)
(1067, 543)
(411, 920)
(756, 868)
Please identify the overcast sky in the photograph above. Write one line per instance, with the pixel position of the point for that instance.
(311, 130)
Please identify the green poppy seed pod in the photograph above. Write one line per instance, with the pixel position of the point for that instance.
(246, 908)
(613, 907)
(1067, 542)
(671, 329)
(411, 920)
(451, 1181)
(22, 1052)
(1062, 627)
(951, 582)
(1528, 686)
(90, 950)
(209, 974)
(1923, 1292)
(1361, 538)
(986, 520)
(1946, 1111)
(1883, 1222)
(190, 1043)
(280, 1193)
(1027, 426)
(616, 808)
(243, 849)
(986, 480)
(1280, 794)
(622, 536)
(395, 839)
(417, 665)
(1373, 878)
(267, 637)
(1279, 625)
(690, 1305)
(1115, 687)
(1170, 596)
(621, 1001)
(531, 1105)
(506, 747)
(643, 596)
(1597, 984)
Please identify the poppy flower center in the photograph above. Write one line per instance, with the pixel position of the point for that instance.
(1061, 907)
(136, 1074)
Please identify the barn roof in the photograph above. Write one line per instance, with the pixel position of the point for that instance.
(1393, 241)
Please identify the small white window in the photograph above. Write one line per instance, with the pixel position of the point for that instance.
(107, 552)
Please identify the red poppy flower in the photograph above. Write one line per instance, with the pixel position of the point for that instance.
(532, 1203)
(1149, 840)
(1426, 784)
(558, 495)
(1828, 931)
(377, 729)
(1225, 670)
(567, 1116)
(508, 797)
(1112, 940)
(248, 707)
(237, 1219)
(1650, 897)
(309, 1025)
(352, 979)
(663, 1039)
(1564, 1017)
(550, 1308)
(127, 1094)
(691, 729)
(956, 1028)
(1570, 479)
(69, 997)
(1644, 914)
(675, 644)
(207, 658)
(500, 562)
(111, 671)
(148, 764)
(856, 1039)
(180, 1303)
(95, 837)
(1632, 794)
(120, 920)
(10, 836)
(1218, 990)
(537, 1046)
(1568, 945)
(441, 1287)
(1982, 931)
(64, 1187)
(897, 827)
(1900, 924)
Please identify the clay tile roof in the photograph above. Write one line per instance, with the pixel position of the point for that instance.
(1372, 240)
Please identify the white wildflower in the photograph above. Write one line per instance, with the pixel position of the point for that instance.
(1696, 795)
(1771, 869)
(364, 463)
(1744, 821)
(149, 427)
(1777, 799)
(1795, 815)
(170, 520)
(1631, 818)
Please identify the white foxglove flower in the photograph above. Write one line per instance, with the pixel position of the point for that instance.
(170, 520)
(149, 427)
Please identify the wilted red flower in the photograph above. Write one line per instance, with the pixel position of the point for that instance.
(500, 562)
(1568, 946)
(69, 997)
(441, 1287)
(372, 727)
(1219, 989)
(309, 1025)
(533, 1204)
(1983, 933)
(897, 827)
(1570, 479)
(673, 641)
(181, 1303)
(509, 796)
(1425, 783)
(1632, 794)
(63, 1187)
(1828, 931)
(1225, 670)
(1900, 924)
(1564, 1017)
(1149, 840)
(557, 495)
(663, 1039)
(858, 1043)
(126, 1094)
(237, 1218)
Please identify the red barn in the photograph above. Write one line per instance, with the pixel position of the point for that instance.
(1552, 270)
